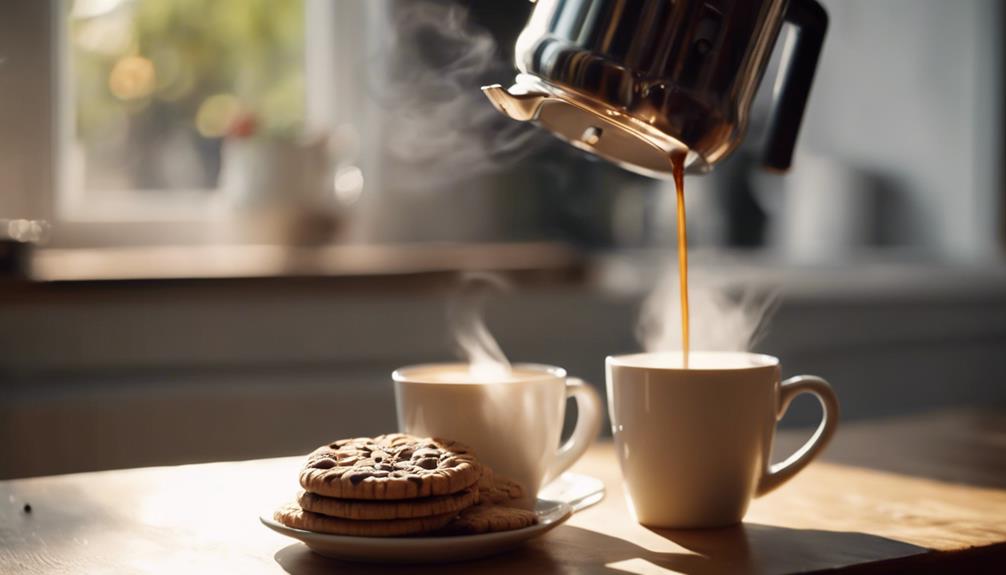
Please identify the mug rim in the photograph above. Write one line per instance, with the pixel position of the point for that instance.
(545, 373)
(758, 361)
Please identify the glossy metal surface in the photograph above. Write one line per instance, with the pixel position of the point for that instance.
(668, 73)
(587, 124)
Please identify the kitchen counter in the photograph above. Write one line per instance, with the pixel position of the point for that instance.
(125, 359)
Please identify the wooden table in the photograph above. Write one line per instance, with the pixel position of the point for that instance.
(203, 518)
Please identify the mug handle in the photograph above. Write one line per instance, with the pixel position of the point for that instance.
(588, 425)
(782, 472)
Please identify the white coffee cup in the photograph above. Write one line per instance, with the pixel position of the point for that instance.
(514, 426)
(694, 444)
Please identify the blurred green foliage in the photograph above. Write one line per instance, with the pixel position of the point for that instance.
(253, 49)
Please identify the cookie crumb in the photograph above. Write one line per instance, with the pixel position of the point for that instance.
(27, 507)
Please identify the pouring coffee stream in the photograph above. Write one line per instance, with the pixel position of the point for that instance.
(678, 165)
(660, 88)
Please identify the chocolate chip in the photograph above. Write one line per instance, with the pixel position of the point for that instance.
(324, 464)
(356, 478)
(27, 507)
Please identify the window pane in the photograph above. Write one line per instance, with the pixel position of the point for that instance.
(157, 84)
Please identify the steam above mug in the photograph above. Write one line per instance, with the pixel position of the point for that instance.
(635, 81)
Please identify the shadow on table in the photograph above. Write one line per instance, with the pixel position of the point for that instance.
(744, 548)
(752, 547)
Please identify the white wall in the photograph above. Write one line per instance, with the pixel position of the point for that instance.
(25, 122)
(912, 89)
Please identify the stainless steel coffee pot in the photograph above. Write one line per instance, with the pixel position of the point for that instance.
(635, 81)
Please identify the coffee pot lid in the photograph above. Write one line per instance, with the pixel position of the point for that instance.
(592, 126)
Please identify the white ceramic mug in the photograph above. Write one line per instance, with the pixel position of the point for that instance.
(514, 426)
(694, 444)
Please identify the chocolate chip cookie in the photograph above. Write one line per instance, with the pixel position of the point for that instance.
(292, 515)
(396, 509)
(489, 518)
(496, 489)
(393, 466)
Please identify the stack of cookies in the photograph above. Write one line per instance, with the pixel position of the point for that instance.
(397, 485)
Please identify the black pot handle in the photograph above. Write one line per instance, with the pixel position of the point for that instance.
(811, 23)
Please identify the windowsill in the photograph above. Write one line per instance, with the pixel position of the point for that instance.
(272, 261)
(626, 272)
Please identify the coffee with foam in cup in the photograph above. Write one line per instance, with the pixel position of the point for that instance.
(698, 360)
(466, 375)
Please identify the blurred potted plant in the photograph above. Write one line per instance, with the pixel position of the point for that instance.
(287, 188)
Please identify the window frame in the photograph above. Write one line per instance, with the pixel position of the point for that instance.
(95, 218)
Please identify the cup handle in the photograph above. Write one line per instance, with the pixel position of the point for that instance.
(782, 472)
(588, 425)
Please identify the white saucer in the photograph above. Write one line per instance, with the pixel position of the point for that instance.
(425, 549)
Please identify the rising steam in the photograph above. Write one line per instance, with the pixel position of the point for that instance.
(436, 114)
(465, 315)
(721, 320)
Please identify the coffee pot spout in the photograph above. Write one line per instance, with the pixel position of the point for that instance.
(518, 105)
